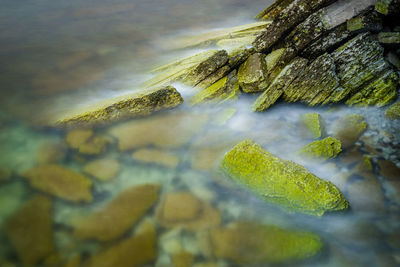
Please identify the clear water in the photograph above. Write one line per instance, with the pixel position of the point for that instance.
(56, 55)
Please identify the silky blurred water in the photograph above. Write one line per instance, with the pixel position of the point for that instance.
(57, 55)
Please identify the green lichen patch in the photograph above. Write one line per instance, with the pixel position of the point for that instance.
(125, 107)
(312, 125)
(327, 148)
(224, 89)
(393, 112)
(251, 243)
(252, 74)
(382, 6)
(281, 182)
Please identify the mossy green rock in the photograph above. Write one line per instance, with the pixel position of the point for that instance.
(252, 74)
(312, 125)
(393, 112)
(281, 182)
(327, 148)
(251, 243)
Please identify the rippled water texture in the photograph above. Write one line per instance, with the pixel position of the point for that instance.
(148, 191)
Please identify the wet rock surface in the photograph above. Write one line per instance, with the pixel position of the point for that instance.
(262, 173)
(326, 148)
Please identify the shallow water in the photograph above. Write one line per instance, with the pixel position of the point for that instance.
(63, 54)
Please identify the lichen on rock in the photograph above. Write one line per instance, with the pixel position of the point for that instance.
(281, 182)
(326, 148)
(393, 112)
(312, 125)
(127, 106)
(60, 182)
(250, 243)
(253, 74)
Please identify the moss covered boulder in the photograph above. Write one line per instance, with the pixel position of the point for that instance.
(393, 112)
(30, 230)
(349, 128)
(327, 148)
(123, 107)
(119, 215)
(253, 74)
(312, 125)
(281, 182)
(250, 243)
(60, 182)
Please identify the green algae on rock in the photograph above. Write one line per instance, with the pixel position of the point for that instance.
(251, 243)
(389, 37)
(123, 107)
(326, 148)
(393, 112)
(276, 89)
(252, 74)
(223, 90)
(119, 215)
(312, 125)
(281, 182)
(348, 129)
(60, 182)
(134, 251)
(30, 230)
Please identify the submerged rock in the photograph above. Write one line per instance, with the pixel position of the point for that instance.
(281, 182)
(393, 112)
(85, 142)
(224, 89)
(312, 125)
(156, 156)
(252, 74)
(127, 106)
(389, 37)
(30, 230)
(170, 130)
(389, 170)
(118, 216)
(326, 148)
(50, 152)
(133, 251)
(348, 129)
(5, 174)
(182, 209)
(250, 243)
(183, 259)
(60, 182)
(103, 169)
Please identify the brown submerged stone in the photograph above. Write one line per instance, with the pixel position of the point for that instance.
(182, 209)
(119, 215)
(60, 182)
(30, 230)
(162, 131)
(103, 169)
(134, 251)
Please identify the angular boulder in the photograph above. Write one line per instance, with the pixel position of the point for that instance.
(123, 107)
(248, 243)
(326, 148)
(281, 182)
(348, 129)
(252, 74)
(312, 125)
(224, 89)
(393, 112)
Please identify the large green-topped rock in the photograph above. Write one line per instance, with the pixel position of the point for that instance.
(312, 125)
(393, 112)
(252, 74)
(281, 182)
